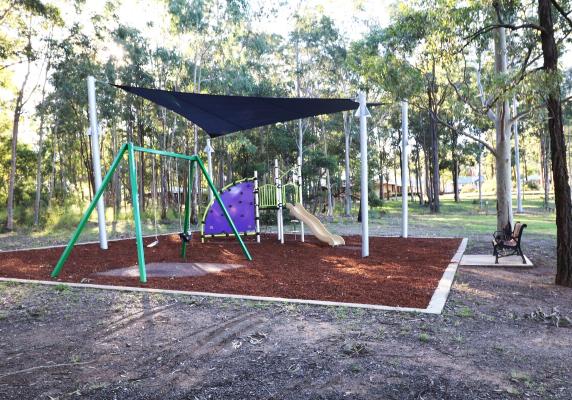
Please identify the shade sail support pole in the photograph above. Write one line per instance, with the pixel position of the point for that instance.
(300, 194)
(363, 114)
(280, 216)
(404, 168)
(209, 150)
(256, 207)
(96, 159)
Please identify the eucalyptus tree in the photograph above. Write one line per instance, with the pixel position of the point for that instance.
(202, 27)
(73, 60)
(28, 20)
(136, 71)
(498, 55)
(402, 60)
(548, 21)
(535, 35)
(319, 54)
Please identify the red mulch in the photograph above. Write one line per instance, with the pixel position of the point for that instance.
(398, 272)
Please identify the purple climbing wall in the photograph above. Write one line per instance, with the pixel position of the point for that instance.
(239, 202)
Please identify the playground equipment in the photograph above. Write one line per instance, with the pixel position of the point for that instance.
(193, 161)
(245, 199)
(220, 115)
(317, 228)
(241, 200)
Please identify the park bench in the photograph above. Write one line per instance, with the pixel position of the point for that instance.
(508, 243)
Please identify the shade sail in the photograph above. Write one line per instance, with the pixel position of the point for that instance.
(220, 115)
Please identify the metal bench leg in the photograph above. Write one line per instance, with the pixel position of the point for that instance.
(522, 256)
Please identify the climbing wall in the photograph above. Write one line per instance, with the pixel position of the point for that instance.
(239, 202)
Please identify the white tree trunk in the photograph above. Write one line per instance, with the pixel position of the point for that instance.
(503, 146)
(517, 160)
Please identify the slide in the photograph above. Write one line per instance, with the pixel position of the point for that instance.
(318, 229)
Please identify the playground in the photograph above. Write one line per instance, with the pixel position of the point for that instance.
(285, 200)
(293, 270)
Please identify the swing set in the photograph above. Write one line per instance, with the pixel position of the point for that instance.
(185, 235)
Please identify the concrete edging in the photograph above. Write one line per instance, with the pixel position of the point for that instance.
(436, 304)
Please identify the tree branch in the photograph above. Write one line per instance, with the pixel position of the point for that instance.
(488, 28)
(475, 138)
(484, 102)
(562, 12)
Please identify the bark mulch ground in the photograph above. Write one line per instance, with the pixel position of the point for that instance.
(398, 272)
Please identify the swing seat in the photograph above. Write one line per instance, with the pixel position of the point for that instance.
(186, 236)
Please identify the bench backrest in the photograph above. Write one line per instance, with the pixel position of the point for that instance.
(517, 232)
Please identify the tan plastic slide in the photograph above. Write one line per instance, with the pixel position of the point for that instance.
(318, 229)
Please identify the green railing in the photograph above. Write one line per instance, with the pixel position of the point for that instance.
(267, 196)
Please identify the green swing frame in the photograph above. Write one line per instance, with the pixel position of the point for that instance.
(130, 148)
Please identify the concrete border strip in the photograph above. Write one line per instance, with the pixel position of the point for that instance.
(441, 294)
(436, 304)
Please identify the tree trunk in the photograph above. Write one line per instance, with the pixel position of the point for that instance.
(39, 172)
(428, 187)
(15, 129)
(562, 200)
(545, 148)
(394, 178)
(455, 168)
(517, 160)
(480, 159)
(503, 145)
(434, 145)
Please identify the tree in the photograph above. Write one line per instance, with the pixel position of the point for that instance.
(24, 19)
(562, 200)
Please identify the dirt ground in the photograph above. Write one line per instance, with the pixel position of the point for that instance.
(496, 339)
(398, 272)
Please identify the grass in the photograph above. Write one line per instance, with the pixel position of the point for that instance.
(61, 287)
(455, 219)
(465, 312)
(458, 219)
(424, 337)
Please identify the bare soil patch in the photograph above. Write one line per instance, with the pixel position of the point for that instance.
(399, 272)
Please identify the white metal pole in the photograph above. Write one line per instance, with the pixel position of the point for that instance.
(209, 150)
(404, 168)
(363, 174)
(278, 184)
(300, 194)
(96, 159)
(517, 160)
(256, 207)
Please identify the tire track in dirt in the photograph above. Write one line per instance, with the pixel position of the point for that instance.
(174, 370)
(125, 322)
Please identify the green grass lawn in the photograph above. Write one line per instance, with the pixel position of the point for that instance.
(455, 219)
(465, 218)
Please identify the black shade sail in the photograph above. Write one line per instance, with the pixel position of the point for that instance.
(220, 115)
